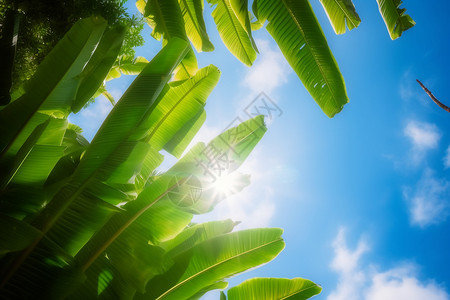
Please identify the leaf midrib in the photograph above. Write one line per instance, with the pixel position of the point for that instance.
(312, 52)
(174, 107)
(193, 20)
(298, 292)
(215, 265)
(345, 13)
(224, 3)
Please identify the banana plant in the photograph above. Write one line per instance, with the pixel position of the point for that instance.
(95, 219)
(292, 24)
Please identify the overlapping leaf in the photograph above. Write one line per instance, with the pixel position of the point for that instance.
(75, 213)
(98, 67)
(166, 20)
(213, 260)
(54, 85)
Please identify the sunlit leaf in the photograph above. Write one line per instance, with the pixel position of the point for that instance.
(341, 13)
(394, 17)
(232, 33)
(274, 289)
(297, 32)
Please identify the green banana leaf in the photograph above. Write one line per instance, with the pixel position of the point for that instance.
(98, 67)
(274, 289)
(240, 8)
(166, 20)
(177, 105)
(192, 11)
(183, 137)
(294, 27)
(216, 286)
(197, 233)
(394, 17)
(38, 155)
(340, 13)
(213, 260)
(232, 33)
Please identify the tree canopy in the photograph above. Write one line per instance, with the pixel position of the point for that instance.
(41, 24)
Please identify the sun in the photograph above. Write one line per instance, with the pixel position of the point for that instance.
(229, 184)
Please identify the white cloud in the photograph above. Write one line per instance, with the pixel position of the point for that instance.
(423, 136)
(358, 282)
(345, 263)
(447, 158)
(430, 202)
(401, 283)
(269, 71)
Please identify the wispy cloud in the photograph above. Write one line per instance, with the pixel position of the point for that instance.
(409, 90)
(358, 282)
(346, 264)
(269, 71)
(447, 158)
(423, 137)
(429, 202)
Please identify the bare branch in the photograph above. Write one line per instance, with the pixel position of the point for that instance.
(443, 106)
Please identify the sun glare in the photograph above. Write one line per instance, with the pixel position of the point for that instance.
(228, 184)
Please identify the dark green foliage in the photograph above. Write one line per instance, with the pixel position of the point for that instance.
(44, 22)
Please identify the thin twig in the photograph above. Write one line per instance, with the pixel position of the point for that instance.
(443, 106)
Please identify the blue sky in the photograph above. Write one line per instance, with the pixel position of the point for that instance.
(364, 198)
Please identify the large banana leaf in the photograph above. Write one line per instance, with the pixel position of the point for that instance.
(98, 67)
(177, 105)
(192, 11)
(240, 8)
(294, 27)
(196, 234)
(221, 285)
(53, 86)
(274, 289)
(166, 20)
(213, 260)
(340, 13)
(232, 33)
(394, 17)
